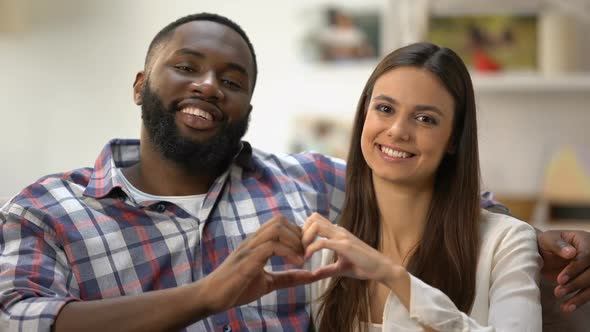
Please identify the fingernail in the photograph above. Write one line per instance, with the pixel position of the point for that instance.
(559, 292)
(571, 307)
(564, 279)
(568, 249)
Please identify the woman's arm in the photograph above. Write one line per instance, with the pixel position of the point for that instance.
(513, 294)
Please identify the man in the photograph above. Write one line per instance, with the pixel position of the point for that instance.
(192, 228)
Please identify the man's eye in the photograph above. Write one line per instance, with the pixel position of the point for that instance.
(232, 84)
(184, 68)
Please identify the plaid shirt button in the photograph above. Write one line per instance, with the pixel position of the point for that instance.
(161, 207)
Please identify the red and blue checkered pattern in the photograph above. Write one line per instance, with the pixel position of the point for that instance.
(80, 236)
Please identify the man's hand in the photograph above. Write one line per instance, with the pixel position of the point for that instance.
(242, 279)
(238, 280)
(566, 256)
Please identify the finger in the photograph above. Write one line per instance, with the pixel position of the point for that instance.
(279, 231)
(340, 247)
(580, 281)
(313, 218)
(317, 225)
(251, 260)
(558, 243)
(313, 247)
(321, 222)
(568, 246)
(277, 235)
(576, 301)
(309, 235)
(327, 271)
(268, 249)
(318, 218)
(328, 230)
(561, 291)
(291, 278)
(283, 221)
(577, 270)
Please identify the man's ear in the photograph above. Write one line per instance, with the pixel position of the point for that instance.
(138, 85)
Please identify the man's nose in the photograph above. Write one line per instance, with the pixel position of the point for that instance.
(207, 86)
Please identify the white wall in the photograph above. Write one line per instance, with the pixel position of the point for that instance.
(519, 132)
(65, 88)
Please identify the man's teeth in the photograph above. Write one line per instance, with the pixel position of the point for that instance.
(198, 112)
(395, 153)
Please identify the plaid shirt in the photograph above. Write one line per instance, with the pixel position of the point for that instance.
(80, 236)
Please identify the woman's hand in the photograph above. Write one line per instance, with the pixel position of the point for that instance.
(354, 258)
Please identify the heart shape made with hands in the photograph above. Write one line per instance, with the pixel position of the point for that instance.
(354, 258)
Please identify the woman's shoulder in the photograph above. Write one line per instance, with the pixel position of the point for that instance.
(496, 227)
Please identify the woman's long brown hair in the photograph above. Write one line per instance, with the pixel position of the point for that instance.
(446, 257)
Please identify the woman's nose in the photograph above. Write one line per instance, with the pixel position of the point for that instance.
(400, 128)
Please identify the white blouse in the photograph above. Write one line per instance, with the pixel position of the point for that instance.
(507, 296)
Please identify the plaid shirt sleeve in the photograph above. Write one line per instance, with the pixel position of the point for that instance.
(33, 272)
(333, 176)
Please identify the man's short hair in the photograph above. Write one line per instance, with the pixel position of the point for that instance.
(166, 33)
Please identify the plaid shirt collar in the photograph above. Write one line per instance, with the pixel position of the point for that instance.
(121, 153)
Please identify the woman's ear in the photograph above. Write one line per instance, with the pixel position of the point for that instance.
(138, 85)
(451, 146)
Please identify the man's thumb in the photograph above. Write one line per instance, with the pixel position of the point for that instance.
(554, 242)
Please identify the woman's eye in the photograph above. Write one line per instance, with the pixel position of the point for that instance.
(426, 119)
(384, 108)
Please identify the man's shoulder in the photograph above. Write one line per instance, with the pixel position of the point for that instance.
(308, 161)
(300, 170)
(51, 189)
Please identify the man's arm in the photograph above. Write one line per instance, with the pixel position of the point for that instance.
(170, 309)
(33, 287)
(566, 258)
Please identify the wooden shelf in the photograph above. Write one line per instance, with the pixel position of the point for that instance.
(531, 82)
(582, 225)
(502, 82)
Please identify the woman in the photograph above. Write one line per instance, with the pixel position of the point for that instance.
(412, 249)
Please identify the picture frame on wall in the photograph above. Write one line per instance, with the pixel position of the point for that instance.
(323, 133)
(489, 43)
(536, 37)
(336, 34)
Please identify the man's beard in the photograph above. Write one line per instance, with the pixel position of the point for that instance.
(211, 157)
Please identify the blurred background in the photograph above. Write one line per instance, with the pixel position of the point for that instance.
(68, 68)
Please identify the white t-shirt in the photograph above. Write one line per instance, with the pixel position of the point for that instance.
(191, 204)
(507, 296)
